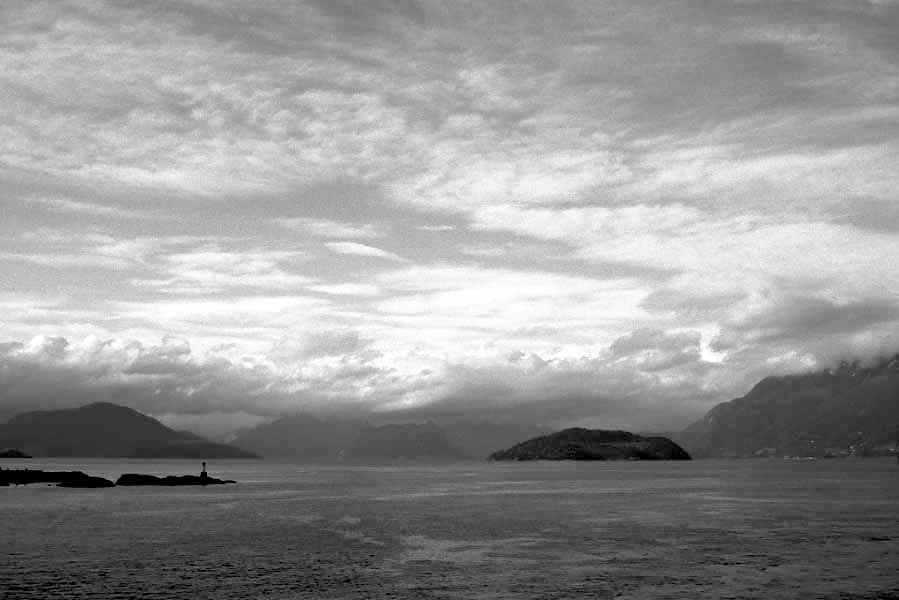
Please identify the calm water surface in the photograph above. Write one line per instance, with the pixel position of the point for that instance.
(706, 529)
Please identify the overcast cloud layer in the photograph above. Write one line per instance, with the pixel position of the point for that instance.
(611, 213)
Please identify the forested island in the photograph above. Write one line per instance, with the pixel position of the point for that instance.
(593, 444)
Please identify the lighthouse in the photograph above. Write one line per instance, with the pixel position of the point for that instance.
(203, 474)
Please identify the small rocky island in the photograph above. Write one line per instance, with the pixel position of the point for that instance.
(593, 444)
(202, 479)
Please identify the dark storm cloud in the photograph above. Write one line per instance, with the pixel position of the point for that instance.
(806, 319)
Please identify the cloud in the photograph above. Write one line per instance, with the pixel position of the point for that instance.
(172, 378)
(203, 118)
(321, 343)
(60, 249)
(333, 229)
(575, 210)
(67, 205)
(654, 350)
(230, 314)
(347, 289)
(594, 390)
(322, 371)
(804, 323)
(356, 249)
(517, 296)
(680, 238)
(210, 269)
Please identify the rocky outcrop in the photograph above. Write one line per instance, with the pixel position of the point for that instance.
(593, 444)
(131, 479)
(77, 479)
(70, 479)
(13, 453)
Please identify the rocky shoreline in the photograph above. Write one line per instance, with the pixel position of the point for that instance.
(78, 479)
(132, 479)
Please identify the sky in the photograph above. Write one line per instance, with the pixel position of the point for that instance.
(615, 214)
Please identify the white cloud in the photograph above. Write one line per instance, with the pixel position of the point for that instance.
(59, 248)
(456, 310)
(743, 248)
(211, 269)
(356, 249)
(248, 311)
(67, 205)
(347, 289)
(333, 229)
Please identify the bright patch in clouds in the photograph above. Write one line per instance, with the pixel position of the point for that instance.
(332, 229)
(566, 212)
(357, 249)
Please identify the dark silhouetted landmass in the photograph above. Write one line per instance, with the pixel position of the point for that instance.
(593, 444)
(72, 479)
(403, 442)
(77, 479)
(131, 479)
(301, 437)
(848, 411)
(106, 430)
(13, 453)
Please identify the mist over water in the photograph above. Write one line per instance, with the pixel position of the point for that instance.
(737, 529)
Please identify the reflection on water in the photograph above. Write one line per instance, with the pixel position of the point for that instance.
(741, 529)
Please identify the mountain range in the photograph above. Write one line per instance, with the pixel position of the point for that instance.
(849, 410)
(406, 441)
(310, 438)
(106, 430)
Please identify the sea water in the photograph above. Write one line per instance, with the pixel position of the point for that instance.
(702, 529)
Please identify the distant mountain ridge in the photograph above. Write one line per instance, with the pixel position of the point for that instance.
(850, 410)
(578, 443)
(309, 438)
(407, 441)
(104, 429)
(303, 437)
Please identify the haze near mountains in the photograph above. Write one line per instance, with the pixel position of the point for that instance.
(848, 411)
